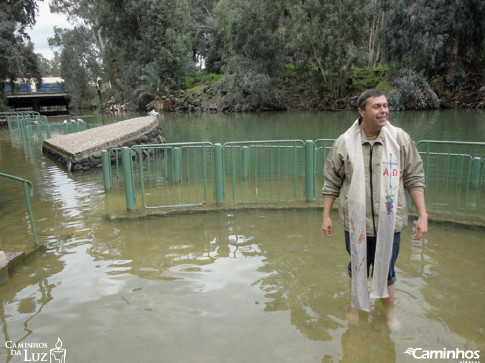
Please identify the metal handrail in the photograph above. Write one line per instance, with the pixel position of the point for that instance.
(291, 170)
(150, 159)
(28, 195)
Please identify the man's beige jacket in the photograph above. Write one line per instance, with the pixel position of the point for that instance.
(338, 173)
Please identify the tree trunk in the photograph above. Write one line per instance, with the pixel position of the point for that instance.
(374, 49)
(451, 75)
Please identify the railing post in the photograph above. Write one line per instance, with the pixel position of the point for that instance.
(245, 161)
(26, 185)
(309, 171)
(29, 208)
(106, 159)
(219, 174)
(128, 177)
(476, 172)
(176, 164)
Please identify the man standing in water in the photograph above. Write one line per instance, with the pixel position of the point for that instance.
(369, 167)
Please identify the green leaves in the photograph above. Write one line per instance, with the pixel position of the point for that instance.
(439, 37)
(149, 47)
(17, 58)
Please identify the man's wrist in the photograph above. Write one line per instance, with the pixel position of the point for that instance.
(422, 214)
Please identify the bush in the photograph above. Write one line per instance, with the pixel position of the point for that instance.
(4, 107)
(209, 79)
(249, 92)
(412, 91)
(367, 78)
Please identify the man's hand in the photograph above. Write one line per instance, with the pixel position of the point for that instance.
(421, 227)
(327, 221)
(327, 226)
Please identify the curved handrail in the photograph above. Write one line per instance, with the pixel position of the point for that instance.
(26, 183)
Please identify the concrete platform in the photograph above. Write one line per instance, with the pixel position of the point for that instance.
(8, 261)
(82, 150)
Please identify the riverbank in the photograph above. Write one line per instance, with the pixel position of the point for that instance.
(205, 93)
(205, 98)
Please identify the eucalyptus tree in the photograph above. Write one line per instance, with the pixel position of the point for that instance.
(134, 42)
(206, 40)
(327, 34)
(17, 57)
(374, 12)
(49, 67)
(252, 53)
(147, 39)
(78, 61)
(84, 12)
(438, 38)
(92, 47)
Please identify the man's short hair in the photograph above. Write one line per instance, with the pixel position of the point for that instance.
(362, 100)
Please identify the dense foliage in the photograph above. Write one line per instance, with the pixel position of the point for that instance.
(270, 54)
(17, 58)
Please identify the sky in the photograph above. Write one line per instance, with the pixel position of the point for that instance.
(44, 28)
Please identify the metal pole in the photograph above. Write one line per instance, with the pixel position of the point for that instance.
(128, 177)
(219, 174)
(309, 168)
(177, 153)
(476, 172)
(106, 159)
(245, 161)
(29, 208)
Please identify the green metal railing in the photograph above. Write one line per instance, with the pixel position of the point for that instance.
(29, 126)
(322, 147)
(162, 176)
(29, 193)
(18, 113)
(174, 174)
(180, 175)
(454, 176)
(266, 171)
(16, 121)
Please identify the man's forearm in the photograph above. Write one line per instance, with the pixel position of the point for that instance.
(327, 205)
(422, 223)
(417, 197)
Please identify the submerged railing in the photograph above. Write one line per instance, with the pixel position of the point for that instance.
(454, 176)
(266, 171)
(28, 192)
(275, 171)
(31, 125)
(185, 174)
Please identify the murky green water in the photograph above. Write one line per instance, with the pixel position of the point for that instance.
(225, 286)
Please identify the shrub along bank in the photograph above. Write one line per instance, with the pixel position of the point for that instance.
(408, 91)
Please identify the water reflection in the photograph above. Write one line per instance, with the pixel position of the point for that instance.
(26, 300)
(253, 285)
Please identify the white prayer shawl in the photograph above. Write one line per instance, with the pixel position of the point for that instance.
(390, 174)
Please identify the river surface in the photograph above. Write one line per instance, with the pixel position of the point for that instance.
(224, 286)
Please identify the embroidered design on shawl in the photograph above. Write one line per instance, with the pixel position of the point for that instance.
(394, 172)
(357, 215)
